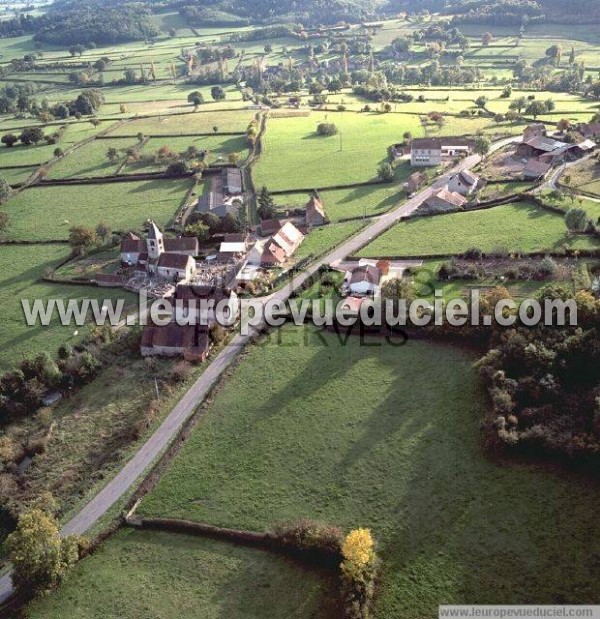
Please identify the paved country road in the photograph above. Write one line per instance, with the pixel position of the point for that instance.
(166, 432)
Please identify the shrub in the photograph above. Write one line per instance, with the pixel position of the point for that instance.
(179, 372)
(326, 129)
(358, 571)
(386, 172)
(40, 557)
(310, 537)
(473, 254)
(217, 334)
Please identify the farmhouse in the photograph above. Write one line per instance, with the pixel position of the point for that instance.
(269, 226)
(435, 151)
(464, 183)
(233, 247)
(539, 145)
(444, 200)
(173, 340)
(535, 169)
(315, 213)
(225, 196)
(415, 182)
(363, 281)
(266, 254)
(288, 237)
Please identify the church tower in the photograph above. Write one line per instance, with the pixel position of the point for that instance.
(154, 242)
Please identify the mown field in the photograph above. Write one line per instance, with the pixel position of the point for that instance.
(401, 455)
(21, 268)
(520, 227)
(162, 575)
(47, 213)
(295, 157)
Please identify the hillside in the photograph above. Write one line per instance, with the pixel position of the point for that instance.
(506, 12)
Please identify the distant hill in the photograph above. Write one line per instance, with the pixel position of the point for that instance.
(307, 12)
(507, 12)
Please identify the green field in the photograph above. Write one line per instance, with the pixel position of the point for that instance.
(199, 122)
(91, 159)
(160, 575)
(47, 213)
(21, 268)
(321, 240)
(295, 157)
(346, 203)
(285, 437)
(520, 227)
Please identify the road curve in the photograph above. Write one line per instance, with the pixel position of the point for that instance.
(167, 431)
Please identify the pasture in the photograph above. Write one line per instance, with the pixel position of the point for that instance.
(47, 213)
(519, 227)
(401, 455)
(294, 156)
(198, 122)
(322, 239)
(163, 575)
(345, 203)
(21, 269)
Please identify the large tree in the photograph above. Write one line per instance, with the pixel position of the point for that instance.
(266, 204)
(39, 556)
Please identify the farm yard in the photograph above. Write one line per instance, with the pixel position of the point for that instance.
(401, 455)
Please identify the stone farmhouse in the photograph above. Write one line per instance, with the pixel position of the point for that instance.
(464, 183)
(435, 151)
(225, 196)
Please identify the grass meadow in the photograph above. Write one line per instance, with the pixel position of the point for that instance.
(344, 203)
(20, 272)
(47, 213)
(198, 122)
(285, 438)
(295, 157)
(322, 239)
(519, 227)
(162, 575)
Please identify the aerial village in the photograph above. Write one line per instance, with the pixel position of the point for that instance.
(169, 267)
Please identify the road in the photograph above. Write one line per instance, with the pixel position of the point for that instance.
(551, 181)
(167, 431)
